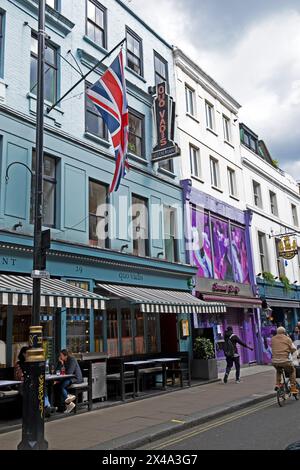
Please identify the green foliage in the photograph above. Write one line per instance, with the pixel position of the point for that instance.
(203, 348)
(275, 163)
(286, 282)
(269, 277)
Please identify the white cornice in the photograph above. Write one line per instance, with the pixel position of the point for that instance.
(253, 167)
(199, 76)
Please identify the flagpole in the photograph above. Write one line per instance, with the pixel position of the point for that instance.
(49, 109)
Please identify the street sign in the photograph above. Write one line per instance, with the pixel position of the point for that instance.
(40, 274)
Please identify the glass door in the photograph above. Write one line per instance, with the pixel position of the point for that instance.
(152, 333)
(112, 332)
(126, 332)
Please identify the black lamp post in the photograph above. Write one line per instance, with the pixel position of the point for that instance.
(34, 375)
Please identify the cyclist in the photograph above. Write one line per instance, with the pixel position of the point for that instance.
(282, 347)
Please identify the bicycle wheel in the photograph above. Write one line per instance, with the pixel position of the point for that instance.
(280, 394)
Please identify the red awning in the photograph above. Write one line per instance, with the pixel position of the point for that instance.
(242, 302)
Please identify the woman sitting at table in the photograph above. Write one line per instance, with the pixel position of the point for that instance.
(19, 375)
(71, 367)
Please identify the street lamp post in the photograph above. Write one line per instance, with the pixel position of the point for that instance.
(34, 375)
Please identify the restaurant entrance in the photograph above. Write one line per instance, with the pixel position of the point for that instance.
(168, 332)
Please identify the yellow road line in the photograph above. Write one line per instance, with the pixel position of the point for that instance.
(220, 422)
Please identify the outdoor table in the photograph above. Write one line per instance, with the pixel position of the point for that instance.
(51, 378)
(136, 365)
(161, 360)
(164, 361)
(9, 383)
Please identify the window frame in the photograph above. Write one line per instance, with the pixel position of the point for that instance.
(175, 239)
(272, 203)
(105, 186)
(130, 32)
(227, 129)
(190, 93)
(213, 160)
(166, 64)
(195, 153)
(54, 67)
(279, 260)
(263, 254)
(295, 215)
(94, 113)
(255, 184)
(145, 202)
(140, 116)
(2, 42)
(232, 182)
(88, 20)
(56, 5)
(210, 106)
(49, 179)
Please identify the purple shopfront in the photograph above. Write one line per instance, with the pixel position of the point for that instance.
(219, 244)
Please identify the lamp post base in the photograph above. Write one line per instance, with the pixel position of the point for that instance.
(33, 407)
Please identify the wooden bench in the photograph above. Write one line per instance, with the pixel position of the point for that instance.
(115, 380)
(78, 390)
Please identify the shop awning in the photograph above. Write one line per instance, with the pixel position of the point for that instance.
(163, 301)
(236, 302)
(17, 290)
(283, 303)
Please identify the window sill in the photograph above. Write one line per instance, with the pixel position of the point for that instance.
(165, 172)
(228, 143)
(137, 158)
(196, 178)
(55, 115)
(217, 189)
(53, 17)
(94, 44)
(234, 197)
(99, 140)
(212, 131)
(192, 117)
(135, 74)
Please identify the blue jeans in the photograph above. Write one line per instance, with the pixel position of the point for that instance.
(46, 400)
(63, 386)
(236, 361)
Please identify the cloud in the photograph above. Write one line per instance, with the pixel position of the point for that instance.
(253, 52)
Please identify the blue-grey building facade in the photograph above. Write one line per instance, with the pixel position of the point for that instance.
(78, 169)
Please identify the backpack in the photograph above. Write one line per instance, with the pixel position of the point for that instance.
(228, 348)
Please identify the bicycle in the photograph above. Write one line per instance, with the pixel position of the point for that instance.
(285, 389)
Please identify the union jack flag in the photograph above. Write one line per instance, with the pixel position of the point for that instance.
(108, 95)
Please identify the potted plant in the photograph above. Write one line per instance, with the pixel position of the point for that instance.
(286, 282)
(204, 363)
(269, 277)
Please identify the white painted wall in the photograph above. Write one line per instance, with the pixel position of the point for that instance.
(193, 130)
(287, 192)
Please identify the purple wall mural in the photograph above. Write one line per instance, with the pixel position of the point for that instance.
(202, 255)
(222, 252)
(239, 255)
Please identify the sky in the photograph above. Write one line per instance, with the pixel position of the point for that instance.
(252, 49)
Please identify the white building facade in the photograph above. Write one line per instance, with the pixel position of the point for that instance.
(273, 198)
(217, 222)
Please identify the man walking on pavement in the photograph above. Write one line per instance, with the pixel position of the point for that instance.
(231, 353)
(282, 348)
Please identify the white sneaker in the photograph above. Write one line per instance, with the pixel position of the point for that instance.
(238, 381)
(69, 399)
(69, 408)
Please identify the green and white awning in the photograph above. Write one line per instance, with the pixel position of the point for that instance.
(163, 301)
(17, 290)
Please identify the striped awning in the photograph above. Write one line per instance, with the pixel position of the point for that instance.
(17, 290)
(163, 301)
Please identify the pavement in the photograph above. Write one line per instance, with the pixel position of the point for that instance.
(135, 423)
